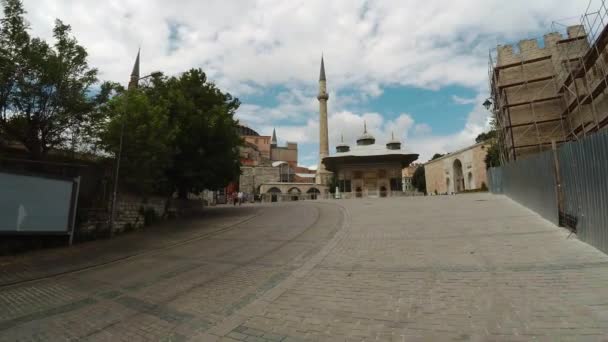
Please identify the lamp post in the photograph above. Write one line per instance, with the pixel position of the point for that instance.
(487, 103)
(119, 155)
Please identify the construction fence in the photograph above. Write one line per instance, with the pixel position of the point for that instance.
(567, 186)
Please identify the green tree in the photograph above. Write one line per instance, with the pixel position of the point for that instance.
(44, 89)
(146, 141)
(419, 179)
(493, 155)
(180, 134)
(206, 144)
(485, 136)
(437, 155)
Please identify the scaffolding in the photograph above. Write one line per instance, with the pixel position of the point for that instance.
(530, 90)
(556, 92)
(583, 74)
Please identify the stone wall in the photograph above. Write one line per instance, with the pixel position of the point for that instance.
(252, 177)
(130, 214)
(439, 173)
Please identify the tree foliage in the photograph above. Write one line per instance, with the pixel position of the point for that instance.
(493, 155)
(44, 89)
(146, 140)
(437, 155)
(485, 136)
(180, 134)
(419, 179)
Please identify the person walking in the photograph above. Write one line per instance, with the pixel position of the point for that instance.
(240, 196)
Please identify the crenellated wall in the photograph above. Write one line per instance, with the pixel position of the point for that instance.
(527, 84)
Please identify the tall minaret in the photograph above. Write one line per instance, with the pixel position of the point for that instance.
(134, 81)
(322, 174)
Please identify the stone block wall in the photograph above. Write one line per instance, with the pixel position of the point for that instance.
(94, 222)
(252, 177)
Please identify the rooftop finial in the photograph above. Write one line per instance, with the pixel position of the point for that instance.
(341, 137)
(274, 137)
(322, 73)
(364, 127)
(393, 135)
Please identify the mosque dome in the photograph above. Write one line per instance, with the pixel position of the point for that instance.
(342, 147)
(393, 144)
(366, 138)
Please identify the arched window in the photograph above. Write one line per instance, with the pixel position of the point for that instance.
(313, 193)
(294, 193)
(274, 194)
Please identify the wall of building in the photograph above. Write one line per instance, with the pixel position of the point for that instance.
(288, 154)
(252, 177)
(570, 102)
(370, 178)
(439, 173)
(526, 92)
(262, 142)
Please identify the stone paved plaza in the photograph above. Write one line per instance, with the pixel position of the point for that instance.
(445, 268)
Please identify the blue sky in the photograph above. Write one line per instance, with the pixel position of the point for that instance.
(415, 68)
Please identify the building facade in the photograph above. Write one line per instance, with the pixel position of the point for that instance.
(458, 171)
(551, 94)
(369, 169)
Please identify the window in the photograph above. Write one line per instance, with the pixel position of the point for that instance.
(344, 185)
(395, 184)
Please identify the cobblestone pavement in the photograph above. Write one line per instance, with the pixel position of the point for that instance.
(169, 294)
(458, 268)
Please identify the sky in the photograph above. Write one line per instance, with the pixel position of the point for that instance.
(415, 69)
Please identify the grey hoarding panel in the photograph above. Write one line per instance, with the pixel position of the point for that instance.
(34, 204)
(584, 176)
(529, 181)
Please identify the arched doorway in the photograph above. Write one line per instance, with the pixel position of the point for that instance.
(358, 192)
(458, 176)
(274, 194)
(313, 193)
(294, 193)
(383, 191)
(470, 181)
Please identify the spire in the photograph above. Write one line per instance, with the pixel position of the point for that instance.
(274, 137)
(392, 135)
(366, 138)
(133, 82)
(322, 73)
(342, 147)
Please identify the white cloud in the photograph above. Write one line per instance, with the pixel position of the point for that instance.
(248, 46)
(367, 44)
(422, 128)
(463, 100)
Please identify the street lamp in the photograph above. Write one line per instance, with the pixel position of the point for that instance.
(119, 154)
(487, 103)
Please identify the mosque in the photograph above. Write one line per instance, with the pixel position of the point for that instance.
(364, 170)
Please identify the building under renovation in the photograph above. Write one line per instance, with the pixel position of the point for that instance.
(552, 89)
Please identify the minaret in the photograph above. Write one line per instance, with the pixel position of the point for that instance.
(322, 174)
(273, 142)
(134, 81)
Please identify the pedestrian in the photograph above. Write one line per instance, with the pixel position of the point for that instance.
(240, 196)
(234, 198)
